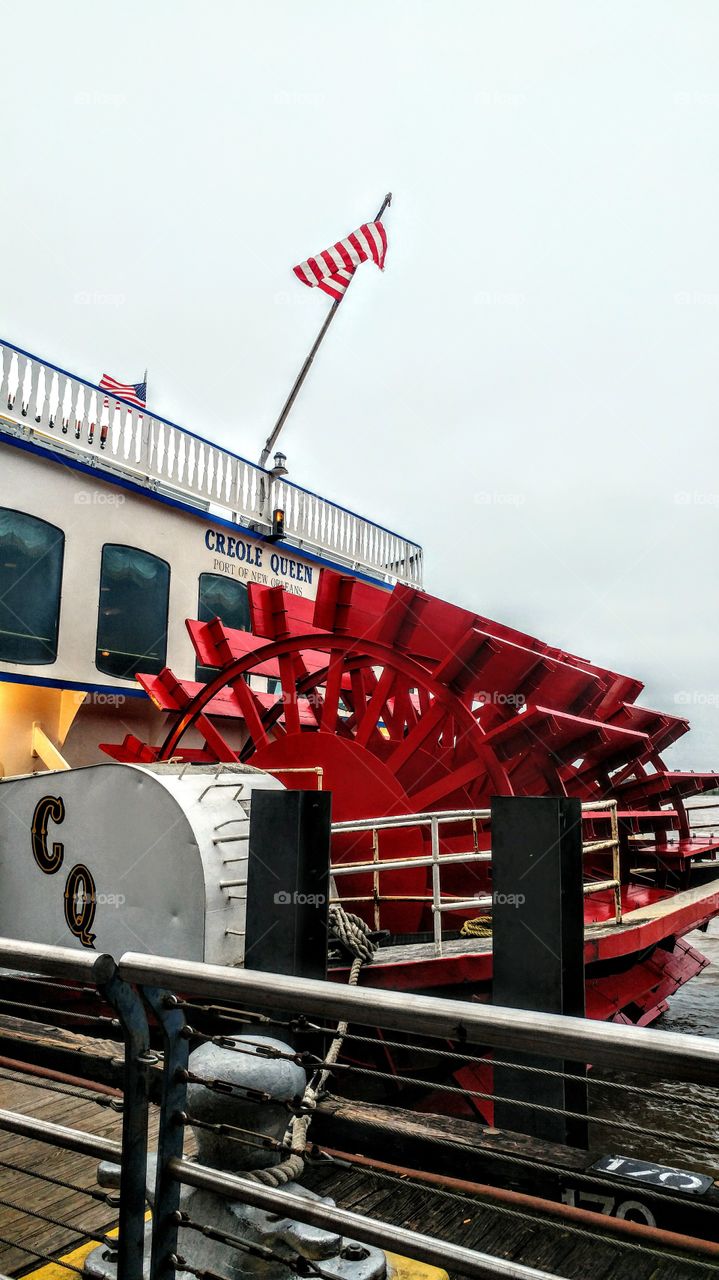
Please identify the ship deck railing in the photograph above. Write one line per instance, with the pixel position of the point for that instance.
(477, 820)
(73, 417)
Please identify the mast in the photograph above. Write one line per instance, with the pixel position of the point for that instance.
(272, 438)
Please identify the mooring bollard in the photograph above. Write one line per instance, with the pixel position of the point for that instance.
(239, 1098)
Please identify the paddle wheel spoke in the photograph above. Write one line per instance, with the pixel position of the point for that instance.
(417, 737)
(216, 742)
(367, 725)
(288, 681)
(252, 710)
(333, 686)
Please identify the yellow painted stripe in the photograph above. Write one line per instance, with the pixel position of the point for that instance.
(400, 1268)
(56, 1271)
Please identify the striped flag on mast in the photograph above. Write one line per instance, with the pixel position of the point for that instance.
(332, 272)
(134, 392)
(333, 269)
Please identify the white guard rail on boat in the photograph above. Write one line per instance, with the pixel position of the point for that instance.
(74, 416)
(476, 818)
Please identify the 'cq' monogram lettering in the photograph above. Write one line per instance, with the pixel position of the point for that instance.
(80, 904)
(80, 897)
(49, 807)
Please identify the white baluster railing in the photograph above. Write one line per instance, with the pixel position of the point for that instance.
(70, 415)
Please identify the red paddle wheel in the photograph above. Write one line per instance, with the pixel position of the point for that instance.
(407, 703)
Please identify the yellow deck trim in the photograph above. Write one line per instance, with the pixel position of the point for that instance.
(399, 1268)
(56, 1271)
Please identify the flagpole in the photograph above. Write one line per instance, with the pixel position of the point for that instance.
(272, 438)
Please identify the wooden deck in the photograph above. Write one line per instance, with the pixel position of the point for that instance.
(512, 1233)
(537, 1242)
(78, 1215)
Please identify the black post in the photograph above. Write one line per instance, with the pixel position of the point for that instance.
(288, 883)
(272, 437)
(171, 1136)
(538, 961)
(135, 1107)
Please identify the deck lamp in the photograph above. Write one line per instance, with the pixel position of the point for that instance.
(278, 524)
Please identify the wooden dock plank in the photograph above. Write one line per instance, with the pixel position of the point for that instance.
(78, 1213)
(474, 1223)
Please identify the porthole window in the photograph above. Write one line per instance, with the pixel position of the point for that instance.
(31, 554)
(132, 621)
(225, 598)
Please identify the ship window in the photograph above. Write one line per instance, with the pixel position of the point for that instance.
(132, 621)
(225, 598)
(31, 553)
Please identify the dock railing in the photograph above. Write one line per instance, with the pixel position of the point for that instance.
(69, 415)
(97, 973)
(477, 820)
(192, 1004)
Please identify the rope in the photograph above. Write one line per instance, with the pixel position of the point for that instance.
(354, 934)
(478, 927)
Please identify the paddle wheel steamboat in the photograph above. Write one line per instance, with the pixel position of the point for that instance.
(162, 599)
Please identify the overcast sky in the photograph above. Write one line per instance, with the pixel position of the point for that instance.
(529, 389)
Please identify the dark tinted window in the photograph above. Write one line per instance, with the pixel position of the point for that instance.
(31, 554)
(132, 623)
(221, 597)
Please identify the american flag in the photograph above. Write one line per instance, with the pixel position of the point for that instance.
(333, 269)
(135, 392)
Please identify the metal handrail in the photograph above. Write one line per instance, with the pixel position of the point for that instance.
(59, 962)
(678, 1055)
(59, 1135)
(77, 417)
